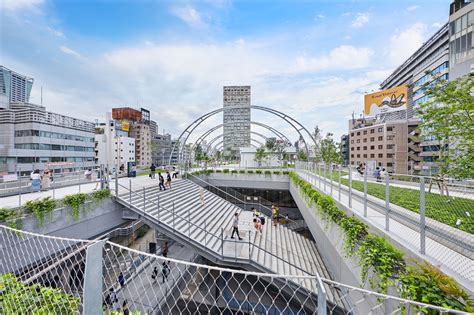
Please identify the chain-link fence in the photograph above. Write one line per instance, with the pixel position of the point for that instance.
(50, 275)
(434, 215)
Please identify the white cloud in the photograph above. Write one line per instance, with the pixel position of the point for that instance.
(360, 20)
(20, 4)
(189, 15)
(347, 37)
(412, 8)
(342, 57)
(405, 43)
(71, 52)
(319, 17)
(56, 32)
(437, 25)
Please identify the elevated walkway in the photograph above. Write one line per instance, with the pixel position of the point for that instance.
(207, 228)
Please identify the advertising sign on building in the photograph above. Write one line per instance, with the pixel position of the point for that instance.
(125, 125)
(386, 101)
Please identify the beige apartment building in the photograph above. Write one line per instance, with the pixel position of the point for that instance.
(142, 134)
(393, 145)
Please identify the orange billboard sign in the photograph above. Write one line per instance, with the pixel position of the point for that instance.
(386, 101)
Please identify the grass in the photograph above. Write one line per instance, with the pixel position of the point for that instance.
(440, 208)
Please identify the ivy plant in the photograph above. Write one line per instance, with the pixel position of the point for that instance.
(75, 202)
(40, 207)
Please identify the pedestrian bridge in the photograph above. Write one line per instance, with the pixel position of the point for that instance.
(207, 228)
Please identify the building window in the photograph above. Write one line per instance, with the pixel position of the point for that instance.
(390, 137)
(352, 149)
(352, 141)
(372, 147)
(352, 134)
(365, 156)
(365, 140)
(365, 132)
(380, 129)
(389, 128)
(365, 148)
(372, 156)
(380, 147)
(358, 148)
(352, 155)
(389, 164)
(358, 140)
(389, 155)
(372, 130)
(380, 138)
(390, 146)
(358, 155)
(372, 139)
(358, 133)
(380, 155)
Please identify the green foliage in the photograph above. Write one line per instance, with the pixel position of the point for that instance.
(250, 172)
(268, 173)
(234, 171)
(12, 217)
(226, 170)
(75, 202)
(302, 156)
(6, 214)
(448, 117)
(329, 150)
(242, 171)
(258, 172)
(18, 298)
(276, 172)
(101, 194)
(218, 171)
(286, 172)
(40, 207)
(386, 261)
(355, 232)
(142, 231)
(427, 284)
(260, 154)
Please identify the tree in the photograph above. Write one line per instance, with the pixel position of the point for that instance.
(198, 153)
(317, 138)
(18, 298)
(260, 154)
(271, 144)
(330, 150)
(447, 118)
(302, 156)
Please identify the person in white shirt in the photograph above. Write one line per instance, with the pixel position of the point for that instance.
(35, 180)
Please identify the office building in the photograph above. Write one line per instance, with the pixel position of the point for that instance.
(33, 138)
(344, 149)
(236, 119)
(14, 87)
(393, 145)
(113, 146)
(461, 41)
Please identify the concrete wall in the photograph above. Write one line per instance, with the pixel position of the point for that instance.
(252, 181)
(95, 219)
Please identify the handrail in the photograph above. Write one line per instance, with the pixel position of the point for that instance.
(220, 238)
(235, 197)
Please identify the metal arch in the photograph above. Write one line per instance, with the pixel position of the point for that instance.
(189, 130)
(227, 133)
(220, 145)
(208, 132)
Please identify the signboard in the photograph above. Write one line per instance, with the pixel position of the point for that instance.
(10, 178)
(125, 125)
(386, 101)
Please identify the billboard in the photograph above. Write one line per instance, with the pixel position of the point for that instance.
(122, 125)
(386, 101)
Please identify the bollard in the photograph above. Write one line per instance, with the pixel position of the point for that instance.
(387, 202)
(365, 192)
(422, 217)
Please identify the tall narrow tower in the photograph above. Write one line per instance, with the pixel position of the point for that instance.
(236, 119)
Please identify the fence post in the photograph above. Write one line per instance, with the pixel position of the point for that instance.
(19, 194)
(330, 176)
(79, 173)
(116, 181)
(422, 216)
(387, 202)
(350, 186)
(130, 192)
(324, 177)
(340, 174)
(322, 308)
(365, 192)
(93, 290)
(250, 233)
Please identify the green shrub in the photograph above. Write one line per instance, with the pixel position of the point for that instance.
(6, 214)
(267, 172)
(355, 232)
(258, 172)
(12, 216)
(40, 207)
(226, 170)
(218, 171)
(242, 171)
(377, 254)
(286, 172)
(101, 194)
(75, 202)
(276, 172)
(250, 172)
(234, 172)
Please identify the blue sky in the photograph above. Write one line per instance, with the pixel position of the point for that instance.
(311, 59)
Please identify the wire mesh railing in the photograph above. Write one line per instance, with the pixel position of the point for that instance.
(430, 219)
(79, 276)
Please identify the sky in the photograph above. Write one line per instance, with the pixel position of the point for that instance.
(312, 60)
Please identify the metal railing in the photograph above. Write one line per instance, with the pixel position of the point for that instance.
(89, 280)
(448, 220)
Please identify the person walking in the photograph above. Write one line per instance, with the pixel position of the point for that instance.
(121, 279)
(201, 196)
(235, 226)
(275, 215)
(164, 252)
(162, 182)
(154, 274)
(257, 224)
(46, 180)
(125, 309)
(165, 271)
(35, 177)
(152, 171)
(88, 174)
(168, 179)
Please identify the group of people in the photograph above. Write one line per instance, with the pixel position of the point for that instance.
(162, 184)
(258, 220)
(41, 181)
(165, 271)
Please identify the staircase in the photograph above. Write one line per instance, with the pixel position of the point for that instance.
(178, 213)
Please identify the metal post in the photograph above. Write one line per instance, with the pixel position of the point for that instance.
(330, 176)
(130, 192)
(205, 232)
(144, 200)
(365, 192)
(116, 181)
(158, 202)
(173, 216)
(222, 241)
(422, 216)
(54, 190)
(93, 289)
(387, 202)
(340, 175)
(79, 181)
(250, 233)
(350, 187)
(19, 193)
(322, 308)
